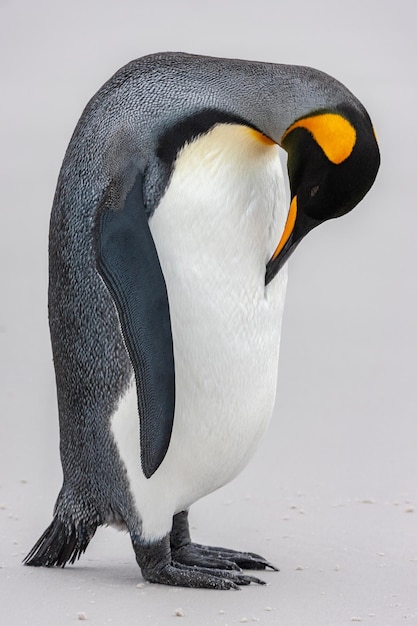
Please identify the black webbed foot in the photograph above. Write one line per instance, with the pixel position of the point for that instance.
(188, 553)
(238, 560)
(157, 566)
(175, 560)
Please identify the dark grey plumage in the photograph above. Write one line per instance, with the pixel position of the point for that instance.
(134, 127)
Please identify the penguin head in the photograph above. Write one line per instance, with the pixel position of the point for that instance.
(333, 159)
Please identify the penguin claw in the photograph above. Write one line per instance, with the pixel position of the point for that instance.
(184, 551)
(183, 576)
(178, 574)
(160, 565)
(199, 556)
(241, 560)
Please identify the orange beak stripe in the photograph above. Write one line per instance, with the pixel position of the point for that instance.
(289, 227)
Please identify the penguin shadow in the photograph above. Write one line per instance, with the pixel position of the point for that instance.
(103, 574)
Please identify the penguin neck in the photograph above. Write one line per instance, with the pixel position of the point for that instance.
(266, 96)
(278, 95)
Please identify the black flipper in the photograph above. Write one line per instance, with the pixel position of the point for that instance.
(128, 263)
(60, 543)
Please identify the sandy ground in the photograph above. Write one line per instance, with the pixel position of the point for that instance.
(331, 496)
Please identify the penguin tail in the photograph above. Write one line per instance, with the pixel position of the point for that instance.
(60, 543)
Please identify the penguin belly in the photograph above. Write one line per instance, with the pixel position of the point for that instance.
(215, 228)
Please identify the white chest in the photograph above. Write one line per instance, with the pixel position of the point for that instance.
(215, 229)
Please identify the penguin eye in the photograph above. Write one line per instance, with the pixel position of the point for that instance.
(314, 190)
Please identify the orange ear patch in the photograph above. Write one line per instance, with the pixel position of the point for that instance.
(333, 133)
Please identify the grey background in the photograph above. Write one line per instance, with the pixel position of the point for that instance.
(331, 494)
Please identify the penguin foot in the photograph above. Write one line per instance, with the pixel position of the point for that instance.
(200, 577)
(213, 556)
(195, 554)
(157, 566)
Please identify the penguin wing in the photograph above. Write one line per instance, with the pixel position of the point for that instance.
(128, 262)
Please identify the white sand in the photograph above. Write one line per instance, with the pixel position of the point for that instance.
(331, 496)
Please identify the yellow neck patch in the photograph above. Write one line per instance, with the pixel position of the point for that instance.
(333, 133)
(261, 137)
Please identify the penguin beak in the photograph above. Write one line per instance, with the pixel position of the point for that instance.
(297, 226)
(286, 246)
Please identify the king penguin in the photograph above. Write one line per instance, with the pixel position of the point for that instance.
(169, 238)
